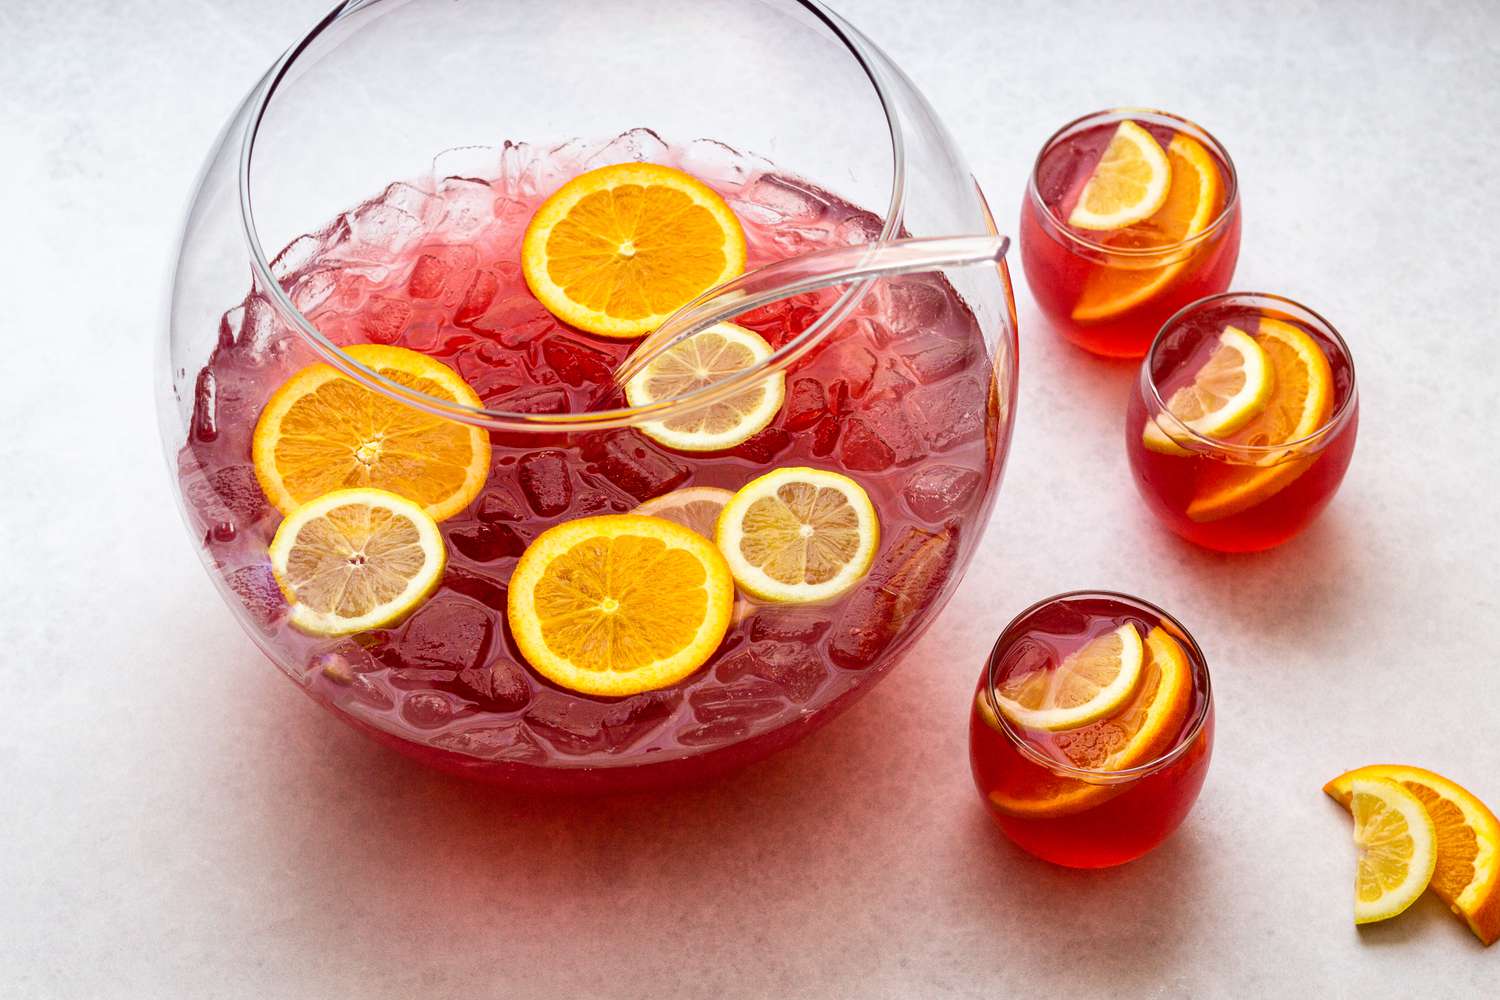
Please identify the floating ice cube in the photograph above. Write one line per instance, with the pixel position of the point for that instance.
(950, 412)
(936, 492)
(543, 477)
(792, 666)
(904, 582)
(487, 542)
(639, 145)
(447, 633)
(934, 357)
(576, 725)
(777, 199)
(256, 588)
(501, 686)
(426, 710)
(634, 465)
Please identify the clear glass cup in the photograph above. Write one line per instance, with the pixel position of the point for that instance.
(1046, 791)
(1255, 488)
(1108, 292)
(341, 205)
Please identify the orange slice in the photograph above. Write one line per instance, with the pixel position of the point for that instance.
(1192, 203)
(323, 431)
(1085, 687)
(617, 250)
(1143, 730)
(700, 360)
(1301, 403)
(619, 604)
(1129, 183)
(695, 507)
(1467, 874)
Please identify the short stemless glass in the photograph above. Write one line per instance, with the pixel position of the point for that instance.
(1109, 291)
(1110, 791)
(1262, 484)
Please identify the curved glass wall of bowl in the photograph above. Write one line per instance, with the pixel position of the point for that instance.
(371, 181)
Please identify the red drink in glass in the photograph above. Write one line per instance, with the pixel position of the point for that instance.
(1262, 484)
(900, 398)
(1109, 791)
(1110, 291)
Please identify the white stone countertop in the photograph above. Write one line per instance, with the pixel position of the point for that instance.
(181, 822)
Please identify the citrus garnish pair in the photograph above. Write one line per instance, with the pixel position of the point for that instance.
(363, 480)
(620, 604)
(1134, 732)
(1147, 198)
(1415, 828)
(1260, 392)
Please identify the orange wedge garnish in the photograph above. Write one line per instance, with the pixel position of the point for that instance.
(1193, 201)
(617, 250)
(1300, 404)
(1139, 733)
(323, 431)
(1467, 876)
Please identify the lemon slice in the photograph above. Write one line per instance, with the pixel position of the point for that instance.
(619, 604)
(695, 507)
(617, 250)
(1086, 687)
(356, 559)
(799, 535)
(1227, 393)
(1397, 845)
(702, 359)
(1129, 183)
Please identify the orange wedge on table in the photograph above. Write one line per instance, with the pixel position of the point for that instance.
(619, 604)
(1193, 200)
(1146, 727)
(1467, 872)
(1301, 403)
(323, 431)
(617, 250)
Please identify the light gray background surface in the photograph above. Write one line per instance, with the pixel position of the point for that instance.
(180, 821)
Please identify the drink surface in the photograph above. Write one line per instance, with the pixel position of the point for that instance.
(1110, 291)
(899, 398)
(1239, 493)
(1065, 797)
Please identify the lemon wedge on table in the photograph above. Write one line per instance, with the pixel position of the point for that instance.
(1397, 845)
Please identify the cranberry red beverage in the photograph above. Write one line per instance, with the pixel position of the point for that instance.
(1092, 728)
(1243, 421)
(1128, 216)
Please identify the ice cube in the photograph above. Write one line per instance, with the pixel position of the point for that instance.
(256, 588)
(905, 581)
(384, 319)
(935, 492)
(499, 504)
(370, 691)
(426, 709)
(412, 201)
(484, 589)
(796, 625)
(448, 633)
(487, 542)
(859, 227)
(639, 145)
(765, 446)
(917, 305)
(477, 298)
(501, 686)
(511, 741)
(826, 436)
(516, 321)
(633, 464)
(378, 232)
(806, 402)
(776, 199)
(577, 363)
(577, 725)
(205, 421)
(229, 493)
(934, 357)
(439, 266)
(715, 163)
(950, 412)
(794, 667)
(863, 450)
(468, 205)
(543, 476)
(747, 701)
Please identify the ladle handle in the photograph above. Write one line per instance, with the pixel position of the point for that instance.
(809, 272)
